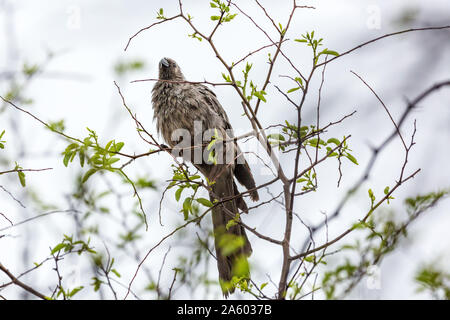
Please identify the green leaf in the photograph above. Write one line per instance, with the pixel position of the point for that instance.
(117, 146)
(371, 196)
(187, 207)
(263, 285)
(359, 225)
(116, 273)
(124, 67)
(214, 18)
(178, 193)
(229, 17)
(260, 95)
(97, 283)
(112, 160)
(299, 80)
(226, 77)
(334, 140)
(248, 67)
(67, 158)
(204, 202)
(195, 36)
(75, 291)
(386, 190)
(81, 155)
(21, 178)
(88, 174)
(301, 40)
(280, 26)
(351, 158)
(58, 247)
(314, 142)
(331, 154)
(293, 89)
(276, 136)
(330, 52)
(108, 145)
(29, 70)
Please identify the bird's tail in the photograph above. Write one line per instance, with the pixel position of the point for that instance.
(231, 242)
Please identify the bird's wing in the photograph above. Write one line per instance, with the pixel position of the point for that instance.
(211, 99)
(242, 170)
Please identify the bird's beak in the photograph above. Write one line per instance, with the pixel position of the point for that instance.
(164, 62)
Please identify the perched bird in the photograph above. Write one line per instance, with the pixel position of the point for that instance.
(179, 106)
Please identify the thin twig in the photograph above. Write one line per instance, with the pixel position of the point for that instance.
(382, 37)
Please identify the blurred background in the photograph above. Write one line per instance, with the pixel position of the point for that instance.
(58, 60)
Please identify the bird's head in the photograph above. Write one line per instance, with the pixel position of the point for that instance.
(169, 70)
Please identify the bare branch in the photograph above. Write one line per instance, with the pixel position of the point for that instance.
(148, 27)
(19, 283)
(382, 37)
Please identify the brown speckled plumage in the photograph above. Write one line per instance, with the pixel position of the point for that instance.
(177, 105)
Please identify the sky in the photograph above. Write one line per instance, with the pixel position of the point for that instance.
(88, 38)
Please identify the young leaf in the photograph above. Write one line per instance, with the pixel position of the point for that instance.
(260, 95)
(67, 158)
(293, 89)
(371, 196)
(187, 207)
(330, 52)
(108, 145)
(113, 160)
(204, 202)
(276, 136)
(334, 140)
(178, 194)
(116, 273)
(359, 225)
(81, 155)
(58, 247)
(21, 178)
(351, 158)
(89, 173)
(75, 291)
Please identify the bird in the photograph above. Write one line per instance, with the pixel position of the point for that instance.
(179, 105)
